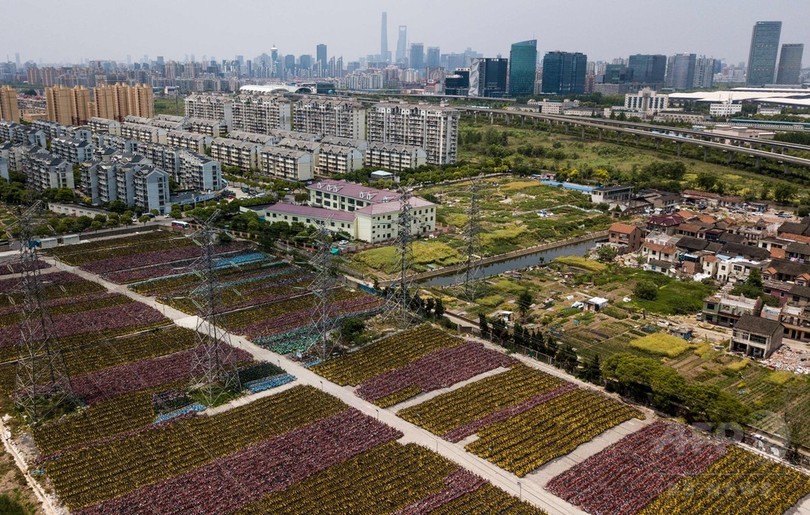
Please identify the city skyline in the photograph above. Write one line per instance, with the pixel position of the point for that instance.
(601, 33)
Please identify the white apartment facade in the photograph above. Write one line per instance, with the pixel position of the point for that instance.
(433, 128)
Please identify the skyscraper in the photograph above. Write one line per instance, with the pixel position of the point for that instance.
(417, 58)
(384, 39)
(488, 77)
(762, 56)
(434, 57)
(790, 63)
(704, 72)
(320, 53)
(681, 71)
(402, 43)
(564, 72)
(522, 67)
(648, 69)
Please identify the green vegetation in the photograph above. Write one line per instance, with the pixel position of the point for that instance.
(647, 380)
(169, 105)
(425, 253)
(661, 344)
(581, 262)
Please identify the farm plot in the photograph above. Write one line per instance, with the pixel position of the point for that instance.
(740, 482)
(523, 417)
(295, 312)
(474, 402)
(300, 451)
(392, 478)
(626, 476)
(406, 364)
(524, 442)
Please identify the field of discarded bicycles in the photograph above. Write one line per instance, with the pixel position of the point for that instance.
(136, 436)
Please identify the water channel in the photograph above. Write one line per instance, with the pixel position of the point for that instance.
(517, 263)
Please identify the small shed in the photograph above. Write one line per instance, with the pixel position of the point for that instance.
(70, 239)
(596, 303)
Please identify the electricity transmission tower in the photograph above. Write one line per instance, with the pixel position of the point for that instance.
(472, 237)
(42, 380)
(212, 371)
(321, 287)
(399, 295)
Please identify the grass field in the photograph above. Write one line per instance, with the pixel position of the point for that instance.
(425, 253)
(662, 344)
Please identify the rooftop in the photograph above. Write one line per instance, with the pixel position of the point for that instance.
(758, 325)
(314, 212)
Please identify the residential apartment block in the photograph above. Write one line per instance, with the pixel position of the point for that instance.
(188, 140)
(433, 128)
(9, 110)
(210, 106)
(117, 101)
(44, 170)
(261, 113)
(393, 157)
(345, 118)
(335, 159)
(145, 133)
(286, 163)
(233, 152)
(68, 106)
(72, 150)
(104, 126)
(130, 178)
(199, 172)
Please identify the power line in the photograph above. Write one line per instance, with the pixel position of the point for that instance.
(42, 380)
(321, 288)
(399, 293)
(472, 237)
(212, 371)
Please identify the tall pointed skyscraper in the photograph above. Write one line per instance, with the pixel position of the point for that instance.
(384, 55)
(402, 42)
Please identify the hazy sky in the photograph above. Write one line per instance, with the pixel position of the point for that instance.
(69, 30)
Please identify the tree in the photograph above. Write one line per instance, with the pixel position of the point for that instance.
(783, 192)
(438, 309)
(524, 302)
(144, 218)
(706, 182)
(593, 370)
(350, 329)
(606, 253)
(429, 305)
(118, 206)
(567, 358)
(483, 325)
(646, 290)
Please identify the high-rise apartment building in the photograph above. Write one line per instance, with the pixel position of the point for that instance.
(790, 63)
(564, 72)
(402, 43)
(488, 77)
(68, 106)
(648, 69)
(433, 128)
(9, 110)
(762, 56)
(117, 101)
(211, 107)
(681, 71)
(261, 113)
(416, 59)
(522, 68)
(344, 118)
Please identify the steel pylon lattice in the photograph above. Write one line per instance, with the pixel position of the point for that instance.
(42, 381)
(399, 292)
(213, 373)
(472, 238)
(322, 286)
